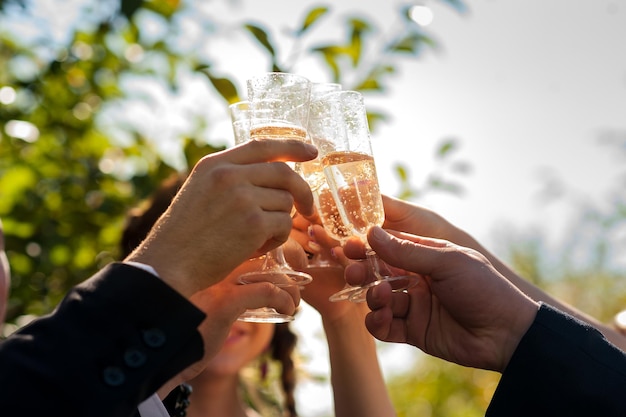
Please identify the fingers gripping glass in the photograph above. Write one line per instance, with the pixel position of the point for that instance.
(272, 116)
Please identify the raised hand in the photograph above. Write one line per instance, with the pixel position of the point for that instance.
(462, 310)
(233, 205)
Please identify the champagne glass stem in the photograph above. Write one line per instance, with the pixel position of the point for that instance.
(382, 273)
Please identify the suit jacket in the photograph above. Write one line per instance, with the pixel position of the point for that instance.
(111, 343)
(562, 367)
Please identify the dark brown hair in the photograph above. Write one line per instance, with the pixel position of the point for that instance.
(138, 224)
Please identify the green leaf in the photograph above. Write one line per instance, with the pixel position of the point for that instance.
(313, 16)
(14, 182)
(369, 84)
(438, 183)
(445, 148)
(402, 173)
(261, 36)
(374, 119)
(412, 43)
(166, 8)
(224, 86)
(194, 151)
(330, 54)
(128, 8)
(277, 68)
(355, 48)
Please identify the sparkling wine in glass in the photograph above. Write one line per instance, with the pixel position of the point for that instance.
(312, 172)
(348, 164)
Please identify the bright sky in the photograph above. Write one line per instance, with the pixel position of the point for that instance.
(527, 88)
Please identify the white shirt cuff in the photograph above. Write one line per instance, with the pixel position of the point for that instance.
(153, 407)
(145, 267)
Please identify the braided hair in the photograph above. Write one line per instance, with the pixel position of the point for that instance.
(282, 346)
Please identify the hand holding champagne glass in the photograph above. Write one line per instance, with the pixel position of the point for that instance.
(346, 156)
(277, 109)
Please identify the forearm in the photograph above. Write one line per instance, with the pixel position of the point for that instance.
(358, 384)
(462, 238)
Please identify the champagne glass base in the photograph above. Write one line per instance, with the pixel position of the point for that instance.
(398, 283)
(321, 269)
(346, 294)
(359, 294)
(280, 277)
(321, 262)
(264, 315)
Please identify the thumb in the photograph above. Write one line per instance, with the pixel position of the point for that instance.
(406, 251)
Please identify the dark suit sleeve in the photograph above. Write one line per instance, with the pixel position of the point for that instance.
(111, 343)
(562, 367)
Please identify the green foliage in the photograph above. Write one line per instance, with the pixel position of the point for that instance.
(64, 196)
(582, 268)
(440, 180)
(434, 388)
(314, 15)
(262, 37)
(223, 86)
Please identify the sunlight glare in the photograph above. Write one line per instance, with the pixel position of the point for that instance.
(620, 320)
(422, 15)
(20, 129)
(7, 95)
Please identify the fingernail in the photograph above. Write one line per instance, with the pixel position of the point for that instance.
(314, 246)
(310, 148)
(309, 231)
(378, 233)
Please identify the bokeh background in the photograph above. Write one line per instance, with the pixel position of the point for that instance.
(507, 117)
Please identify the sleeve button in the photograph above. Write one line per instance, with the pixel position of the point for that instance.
(154, 338)
(113, 376)
(134, 358)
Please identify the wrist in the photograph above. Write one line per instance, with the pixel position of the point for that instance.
(524, 319)
(346, 319)
(171, 273)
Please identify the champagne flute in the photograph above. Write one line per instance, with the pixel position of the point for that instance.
(275, 114)
(273, 260)
(279, 110)
(343, 142)
(323, 123)
(313, 173)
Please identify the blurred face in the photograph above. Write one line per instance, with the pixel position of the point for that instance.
(245, 341)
